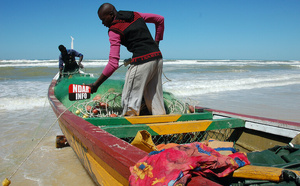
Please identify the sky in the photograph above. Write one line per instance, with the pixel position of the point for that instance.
(194, 29)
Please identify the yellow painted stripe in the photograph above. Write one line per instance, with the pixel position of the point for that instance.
(153, 119)
(104, 173)
(98, 169)
(180, 127)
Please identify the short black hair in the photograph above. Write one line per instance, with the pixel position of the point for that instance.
(61, 47)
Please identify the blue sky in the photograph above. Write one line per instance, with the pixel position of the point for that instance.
(194, 29)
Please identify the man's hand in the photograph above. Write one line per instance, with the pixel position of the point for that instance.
(80, 65)
(93, 87)
(60, 72)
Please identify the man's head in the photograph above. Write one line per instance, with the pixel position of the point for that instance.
(107, 12)
(62, 49)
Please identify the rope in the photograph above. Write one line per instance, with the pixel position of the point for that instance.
(109, 103)
(166, 78)
(41, 121)
(38, 143)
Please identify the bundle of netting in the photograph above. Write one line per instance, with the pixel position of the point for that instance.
(106, 105)
(109, 105)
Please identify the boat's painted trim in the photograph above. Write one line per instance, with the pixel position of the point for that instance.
(123, 131)
(272, 126)
(148, 119)
(151, 119)
(168, 118)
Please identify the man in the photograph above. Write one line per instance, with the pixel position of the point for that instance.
(143, 78)
(67, 62)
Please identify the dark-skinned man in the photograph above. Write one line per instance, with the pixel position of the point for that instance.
(67, 62)
(144, 76)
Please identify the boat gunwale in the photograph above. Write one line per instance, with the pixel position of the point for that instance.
(268, 125)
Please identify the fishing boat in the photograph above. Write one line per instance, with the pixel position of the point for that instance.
(108, 144)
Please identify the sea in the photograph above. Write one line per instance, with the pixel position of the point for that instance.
(28, 126)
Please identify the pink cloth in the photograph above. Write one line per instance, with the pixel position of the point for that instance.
(115, 42)
(177, 164)
(114, 54)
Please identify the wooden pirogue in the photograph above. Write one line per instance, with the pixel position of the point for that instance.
(102, 143)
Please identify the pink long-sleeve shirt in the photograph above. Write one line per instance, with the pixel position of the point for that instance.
(115, 42)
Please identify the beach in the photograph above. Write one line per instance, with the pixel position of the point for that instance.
(28, 127)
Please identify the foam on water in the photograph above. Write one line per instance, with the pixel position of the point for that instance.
(20, 95)
(46, 63)
(96, 62)
(229, 62)
(199, 86)
(27, 63)
(22, 103)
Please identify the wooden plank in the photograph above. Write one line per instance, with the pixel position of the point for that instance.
(196, 116)
(260, 173)
(108, 121)
(122, 131)
(148, 119)
(226, 123)
(169, 118)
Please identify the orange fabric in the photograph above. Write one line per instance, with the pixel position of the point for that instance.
(215, 144)
(166, 146)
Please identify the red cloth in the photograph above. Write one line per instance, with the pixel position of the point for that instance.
(177, 164)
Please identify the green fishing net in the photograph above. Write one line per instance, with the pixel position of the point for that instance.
(106, 102)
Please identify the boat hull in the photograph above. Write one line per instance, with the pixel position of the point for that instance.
(107, 158)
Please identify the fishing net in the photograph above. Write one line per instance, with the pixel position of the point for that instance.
(183, 138)
(109, 105)
(106, 102)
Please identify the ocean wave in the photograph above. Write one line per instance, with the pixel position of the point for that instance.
(27, 60)
(103, 62)
(46, 63)
(200, 87)
(22, 103)
(29, 86)
(297, 66)
(230, 62)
